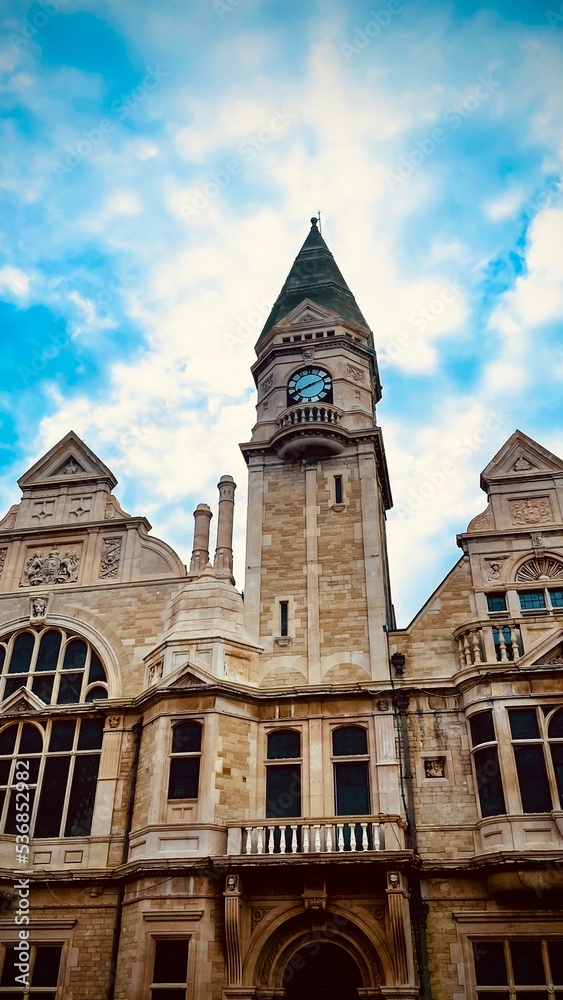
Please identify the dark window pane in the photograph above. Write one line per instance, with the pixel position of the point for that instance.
(555, 949)
(557, 757)
(96, 672)
(34, 763)
(31, 740)
(5, 771)
(21, 653)
(186, 737)
(166, 994)
(171, 962)
(184, 778)
(14, 996)
(42, 686)
(53, 794)
(283, 791)
(496, 602)
(96, 694)
(556, 726)
(284, 617)
(49, 650)
(489, 782)
(82, 795)
(75, 655)
(13, 825)
(352, 789)
(490, 966)
(556, 598)
(2, 656)
(482, 728)
(527, 963)
(532, 777)
(523, 723)
(531, 599)
(8, 740)
(285, 743)
(349, 740)
(9, 971)
(62, 735)
(46, 967)
(14, 684)
(91, 734)
(69, 689)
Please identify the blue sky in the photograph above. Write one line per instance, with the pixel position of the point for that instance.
(160, 162)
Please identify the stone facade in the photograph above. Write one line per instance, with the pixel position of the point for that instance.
(227, 798)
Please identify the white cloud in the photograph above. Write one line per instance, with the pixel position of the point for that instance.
(14, 282)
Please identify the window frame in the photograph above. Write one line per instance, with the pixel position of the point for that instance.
(364, 758)
(10, 940)
(45, 754)
(68, 636)
(511, 988)
(475, 748)
(271, 763)
(545, 741)
(191, 754)
(169, 932)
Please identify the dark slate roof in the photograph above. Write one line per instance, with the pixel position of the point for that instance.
(316, 276)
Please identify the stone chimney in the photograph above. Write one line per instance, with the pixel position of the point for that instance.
(200, 553)
(224, 552)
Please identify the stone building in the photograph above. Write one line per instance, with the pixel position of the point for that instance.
(205, 797)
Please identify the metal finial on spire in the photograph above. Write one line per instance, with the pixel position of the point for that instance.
(314, 223)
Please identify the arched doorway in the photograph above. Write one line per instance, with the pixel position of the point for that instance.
(322, 971)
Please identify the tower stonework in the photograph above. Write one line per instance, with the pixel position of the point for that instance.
(317, 590)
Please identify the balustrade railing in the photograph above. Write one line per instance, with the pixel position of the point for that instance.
(489, 643)
(311, 414)
(297, 836)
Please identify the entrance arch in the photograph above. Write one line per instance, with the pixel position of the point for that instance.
(322, 971)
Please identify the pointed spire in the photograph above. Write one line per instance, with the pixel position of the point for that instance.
(315, 275)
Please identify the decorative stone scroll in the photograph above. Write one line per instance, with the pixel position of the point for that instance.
(109, 563)
(536, 511)
(482, 522)
(3, 554)
(51, 568)
(356, 373)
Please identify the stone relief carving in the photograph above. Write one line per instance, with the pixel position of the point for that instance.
(544, 568)
(39, 607)
(482, 522)
(257, 914)
(377, 912)
(80, 506)
(155, 672)
(70, 468)
(494, 569)
(52, 568)
(43, 509)
(109, 563)
(536, 511)
(522, 465)
(356, 373)
(9, 521)
(435, 767)
(267, 383)
(232, 883)
(113, 721)
(3, 554)
(110, 511)
(383, 705)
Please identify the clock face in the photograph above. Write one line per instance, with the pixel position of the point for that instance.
(308, 385)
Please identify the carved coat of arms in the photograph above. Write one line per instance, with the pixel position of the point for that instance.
(52, 568)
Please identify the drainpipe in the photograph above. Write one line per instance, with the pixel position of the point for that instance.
(136, 730)
(419, 909)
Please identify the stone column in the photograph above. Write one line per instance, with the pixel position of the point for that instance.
(224, 552)
(200, 553)
(399, 918)
(232, 896)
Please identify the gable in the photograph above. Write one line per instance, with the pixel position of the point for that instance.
(520, 458)
(70, 460)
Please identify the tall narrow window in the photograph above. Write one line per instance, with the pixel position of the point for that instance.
(170, 972)
(283, 778)
(186, 759)
(338, 495)
(555, 733)
(487, 766)
(351, 776)
(530, 760)
(284, 617)
(45, 962)
(62, 759)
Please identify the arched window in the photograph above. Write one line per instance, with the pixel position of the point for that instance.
(49, 771)
(183, 782)
(59, 667)
(351, 776)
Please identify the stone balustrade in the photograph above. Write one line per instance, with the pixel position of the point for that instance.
(489, 642)
(350, 835)
(309, 414)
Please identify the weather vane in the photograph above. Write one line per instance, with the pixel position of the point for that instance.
(320, 226)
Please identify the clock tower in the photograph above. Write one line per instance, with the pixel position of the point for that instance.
(317, 586)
